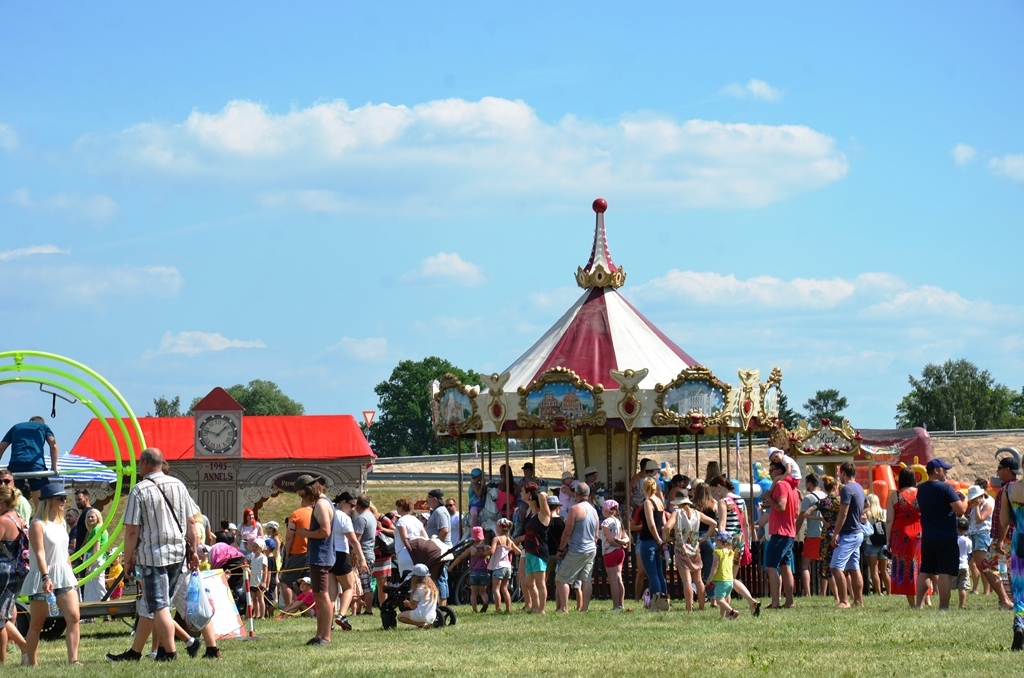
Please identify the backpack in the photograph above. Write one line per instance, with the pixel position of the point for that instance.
(877, 537)
(20, 555)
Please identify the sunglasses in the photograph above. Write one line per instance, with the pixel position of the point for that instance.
(6, 481)
(450, 505)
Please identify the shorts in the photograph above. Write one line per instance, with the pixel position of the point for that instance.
(778, 552)
(962, 582)
(56, 592)
(535, 564)
(502, 573)
(319, 576)
(812, 548)
(847, 553)
(575, 567)
(294, 569)
(940, 556)
(872, 551)
(342, 564)
(382, 568)
(365, 579)
(723, 589)
(479, 578)
(981, 541)
(615, 557)
(159, 584)
(29, 466)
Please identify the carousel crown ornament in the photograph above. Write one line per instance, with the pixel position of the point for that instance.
(600, 271)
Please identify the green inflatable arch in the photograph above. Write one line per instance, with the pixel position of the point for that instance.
(96, 393)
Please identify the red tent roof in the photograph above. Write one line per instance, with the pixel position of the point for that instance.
(327, 436)
(218, 399)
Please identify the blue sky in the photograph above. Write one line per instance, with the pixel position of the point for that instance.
(197, 195)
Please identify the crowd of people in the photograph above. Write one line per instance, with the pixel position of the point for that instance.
(334, 558)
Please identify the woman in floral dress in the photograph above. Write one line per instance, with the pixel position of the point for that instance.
(904, 530)
(828, 509)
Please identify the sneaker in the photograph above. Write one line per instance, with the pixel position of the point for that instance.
(193, 649)
(344, 623)
(128, 655)
(317, 641)
(1018, 639)
(162, 656)
(212, 653)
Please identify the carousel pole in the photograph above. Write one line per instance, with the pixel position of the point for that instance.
(490, 456)
(696, 450)
(679, 454)
(728, 465)
(533, 451)
(458, 459)
(608, 461)
(719, 447)
(750, 469)
(508, 481)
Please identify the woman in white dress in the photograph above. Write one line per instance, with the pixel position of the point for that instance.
(407, 528)
(50, 572)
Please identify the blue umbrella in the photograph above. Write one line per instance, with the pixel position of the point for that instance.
(74, 468)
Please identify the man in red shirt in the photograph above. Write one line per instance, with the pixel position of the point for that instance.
(783, 501)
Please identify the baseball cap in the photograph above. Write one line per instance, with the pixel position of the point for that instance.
(477, 533)
(773, 450)
(528, 464)
(1010, 463)
(232, 526)
(303, 481)
(611, 506)
(590, 469)
(476, 472)
(436, 494)
(272, 524)
(271, 543)
(961, 522)
(420, 570)
(306, 580)
(344, 496)
(553, 500)
(938, 463)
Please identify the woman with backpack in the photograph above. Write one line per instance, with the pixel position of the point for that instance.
(874, 546)
(13, 544)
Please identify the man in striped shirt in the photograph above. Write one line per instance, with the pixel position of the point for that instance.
(159, 517)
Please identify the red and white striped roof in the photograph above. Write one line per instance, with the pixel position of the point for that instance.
(601, 332)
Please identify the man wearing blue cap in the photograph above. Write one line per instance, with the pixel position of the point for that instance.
(940, 506)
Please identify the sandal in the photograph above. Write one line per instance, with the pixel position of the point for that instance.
(757, 609)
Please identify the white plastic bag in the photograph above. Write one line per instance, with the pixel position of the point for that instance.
(199, 607)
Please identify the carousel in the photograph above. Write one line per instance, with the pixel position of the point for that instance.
(604, 378)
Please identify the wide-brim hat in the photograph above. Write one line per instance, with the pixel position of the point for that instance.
(50, 490)
(303, 481)
(974, 492)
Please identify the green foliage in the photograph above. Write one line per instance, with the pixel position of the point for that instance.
(826, 404)
(403, 426)
(260, 398)
(957, 388)
(166, 408)
(786, 413)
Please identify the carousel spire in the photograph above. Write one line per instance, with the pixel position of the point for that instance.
(600, 271)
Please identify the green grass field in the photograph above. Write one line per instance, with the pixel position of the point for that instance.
(883, 639)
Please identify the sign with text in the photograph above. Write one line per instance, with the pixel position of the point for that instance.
(216, 472)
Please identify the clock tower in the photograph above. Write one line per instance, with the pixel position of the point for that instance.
(218, 454)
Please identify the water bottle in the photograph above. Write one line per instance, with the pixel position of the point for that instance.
(51, 601)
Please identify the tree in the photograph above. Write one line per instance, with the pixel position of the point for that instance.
(826, 404)
(403, 425)
(957, 395)
(166, 408)
(260, 398)
(786, 414)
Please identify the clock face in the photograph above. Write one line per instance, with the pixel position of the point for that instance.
(218, 433)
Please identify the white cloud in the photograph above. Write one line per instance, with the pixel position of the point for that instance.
(76, 285)
(370, 348)
(10, 255)
(8, 137)
(95, 208)
(1009, 166)
(963, 154)
(754, 89)
(927, 300)
(193, 343)
(469, 152)
(444, 268)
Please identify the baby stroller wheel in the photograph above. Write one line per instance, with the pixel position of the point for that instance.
(445, 617)
(389, 619)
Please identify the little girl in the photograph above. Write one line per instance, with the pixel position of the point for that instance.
(257, 574)
(721, 577)
(477, 496)
(421, 607)
(479, 577)
(113, 572)
(95, 588)
(613, 543)
(500, 565)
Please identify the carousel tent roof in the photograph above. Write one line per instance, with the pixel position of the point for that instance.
(601, 331)
(328, 436)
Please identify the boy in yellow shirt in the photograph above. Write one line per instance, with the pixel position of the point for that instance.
(721, 575)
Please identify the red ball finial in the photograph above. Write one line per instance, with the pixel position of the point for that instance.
(600, 205)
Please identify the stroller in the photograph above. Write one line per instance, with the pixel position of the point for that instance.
(432, 554)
